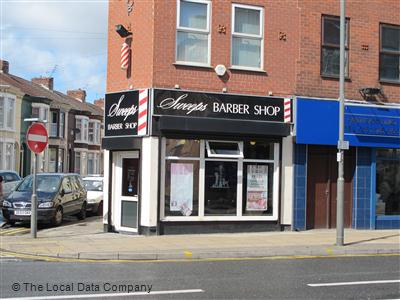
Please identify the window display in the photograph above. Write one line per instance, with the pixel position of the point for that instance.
(388, 182)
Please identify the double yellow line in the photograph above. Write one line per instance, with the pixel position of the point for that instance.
(14, 231)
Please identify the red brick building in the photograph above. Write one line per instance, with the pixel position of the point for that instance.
(200, 65)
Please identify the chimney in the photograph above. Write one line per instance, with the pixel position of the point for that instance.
(4, 66)
(79, 94)
(99, 103)
(46, 82)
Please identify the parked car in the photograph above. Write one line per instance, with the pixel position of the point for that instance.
(10, 181)
(94, 187)
(58, 195)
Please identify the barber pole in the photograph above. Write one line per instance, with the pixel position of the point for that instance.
(287, 110)
(142, 118)
(125, 55)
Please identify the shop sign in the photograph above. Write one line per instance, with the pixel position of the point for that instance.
(124, 115)
(212, 105)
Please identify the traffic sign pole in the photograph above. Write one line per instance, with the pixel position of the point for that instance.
(37, 140)
(34, 201)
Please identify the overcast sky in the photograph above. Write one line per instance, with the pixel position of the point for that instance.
(63, 39)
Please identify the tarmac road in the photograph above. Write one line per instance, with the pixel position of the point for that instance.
(375, 277)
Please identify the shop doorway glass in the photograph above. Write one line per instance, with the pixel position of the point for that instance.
(126, 191)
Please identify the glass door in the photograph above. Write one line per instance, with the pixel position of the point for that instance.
(126, 191)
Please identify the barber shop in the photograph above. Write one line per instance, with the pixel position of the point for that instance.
(371, 164)
(180, 162)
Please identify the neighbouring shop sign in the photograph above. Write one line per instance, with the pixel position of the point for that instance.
(212, 105)
(126, 113)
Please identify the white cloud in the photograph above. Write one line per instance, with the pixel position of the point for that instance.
(38, 35)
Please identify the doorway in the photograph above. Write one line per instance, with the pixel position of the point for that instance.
(126, 173)
(322, 176)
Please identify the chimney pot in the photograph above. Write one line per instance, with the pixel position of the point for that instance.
(4, 66)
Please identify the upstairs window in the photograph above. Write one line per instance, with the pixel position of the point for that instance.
(389, 63)
(53, 123)
(330, 50)
(61, 129)
(7, 113)
(193, 32)
(82, 129)
(247, 36)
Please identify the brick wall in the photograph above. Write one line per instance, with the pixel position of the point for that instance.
(292, 66)
(365, 17)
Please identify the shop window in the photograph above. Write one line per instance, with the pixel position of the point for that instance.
(388, 182)
(220, 188)
(181, 188)
(258, 150)
(247, 36)
(224, 149)
(330, 46)
(182, 148)
(193, 32)
(257, 189)
(130, 167)
(389, 63)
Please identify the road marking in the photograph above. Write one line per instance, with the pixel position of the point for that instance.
(352, 283)
(13, 231)
(48, 258)
(82, 296)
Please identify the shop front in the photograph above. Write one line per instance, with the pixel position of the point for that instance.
(206, 162)
(372, 164)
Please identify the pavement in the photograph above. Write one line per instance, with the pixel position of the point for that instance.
(86, 241)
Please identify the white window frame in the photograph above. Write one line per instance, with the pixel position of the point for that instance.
(83, 160)
(54, 125)
(96, 132)
(259, 36)
(3, 145)
(213, 155)
(239, 216)
(61, 129)
(193, 30)
(9, 99)
(84, 134)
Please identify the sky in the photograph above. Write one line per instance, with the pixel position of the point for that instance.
(64, 39)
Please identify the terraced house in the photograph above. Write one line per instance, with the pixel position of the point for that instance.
(74, 146)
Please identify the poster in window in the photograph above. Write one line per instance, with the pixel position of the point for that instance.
(182, 188)
(257, 187)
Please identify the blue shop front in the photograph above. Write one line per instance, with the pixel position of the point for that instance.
(372, 164)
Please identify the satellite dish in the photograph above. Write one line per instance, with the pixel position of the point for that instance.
(220, 70)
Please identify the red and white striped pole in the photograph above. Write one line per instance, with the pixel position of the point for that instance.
(287, 115)
(142, 119)
(125, 56)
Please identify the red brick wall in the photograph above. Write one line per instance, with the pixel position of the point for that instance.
(292, 66)
(141, 23)
(365, 17)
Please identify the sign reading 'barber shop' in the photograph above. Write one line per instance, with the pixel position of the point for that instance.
(224, 106)
(126, 113)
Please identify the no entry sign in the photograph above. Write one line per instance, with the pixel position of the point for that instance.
(37, 137)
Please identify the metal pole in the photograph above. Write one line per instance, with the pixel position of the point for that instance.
(34, 201)
(341, 147)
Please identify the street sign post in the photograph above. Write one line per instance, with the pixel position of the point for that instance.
(37, 140)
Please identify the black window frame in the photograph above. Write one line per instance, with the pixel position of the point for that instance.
(387, 52)
(334, 46)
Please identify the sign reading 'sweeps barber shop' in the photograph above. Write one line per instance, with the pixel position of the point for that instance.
(223, 106)
(125, 113)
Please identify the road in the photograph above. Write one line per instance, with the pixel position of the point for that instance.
(375, 277)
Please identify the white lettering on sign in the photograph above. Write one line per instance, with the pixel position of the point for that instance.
(231, 108)
(116, 111)
(171, 103)
(266, 110)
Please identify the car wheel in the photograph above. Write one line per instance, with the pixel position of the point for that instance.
(82, 213)
(100, 209)
(58, 217)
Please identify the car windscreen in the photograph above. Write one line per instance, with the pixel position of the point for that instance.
(94, 185)
(44, 183)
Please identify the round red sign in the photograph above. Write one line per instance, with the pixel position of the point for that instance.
(37, 137)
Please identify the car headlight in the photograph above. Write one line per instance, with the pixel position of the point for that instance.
(7, 204)
(46, 204)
